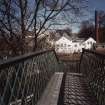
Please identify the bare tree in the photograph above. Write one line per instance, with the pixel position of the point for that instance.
(12, 25)
(17, 17)
(49, 10)
(87, 30)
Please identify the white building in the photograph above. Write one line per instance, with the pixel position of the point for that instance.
(65, 45)
(76, 47)
(88, 44)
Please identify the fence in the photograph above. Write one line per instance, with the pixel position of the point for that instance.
(23, 79)
(92, 65)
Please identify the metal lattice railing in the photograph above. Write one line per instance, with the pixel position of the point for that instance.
(93, 67)
(23, 79)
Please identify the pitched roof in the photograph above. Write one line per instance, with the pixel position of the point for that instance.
(90, 39)
(63, 40)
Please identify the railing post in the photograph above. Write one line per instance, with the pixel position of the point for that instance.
(81, 60)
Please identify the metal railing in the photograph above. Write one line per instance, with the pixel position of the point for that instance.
(99, 45)
(92, 65)
(23, 79)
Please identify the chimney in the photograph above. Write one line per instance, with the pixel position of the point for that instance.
(97, 26)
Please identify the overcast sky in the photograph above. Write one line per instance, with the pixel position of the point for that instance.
(92, 6)
(97, 4)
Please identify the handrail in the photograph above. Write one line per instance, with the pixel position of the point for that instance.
(24, 78)
(94, 52)
(92, 65)
(91, 52)
(18, 59)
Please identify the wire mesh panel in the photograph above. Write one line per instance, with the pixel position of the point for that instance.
(23, 79)
(93, 68)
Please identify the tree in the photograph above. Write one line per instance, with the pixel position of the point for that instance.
(102, 34)
(87, 30)
(17, 17)
(12, 23)
(68, 31)
(50, 9)
(102, 26)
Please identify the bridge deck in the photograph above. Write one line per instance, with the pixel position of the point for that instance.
(23, 79)
(76, 91)
(51, 94)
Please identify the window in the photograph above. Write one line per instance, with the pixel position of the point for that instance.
(57, 49)
(83, 44)
(57, 45)
(91, 43)
(61, 44)
(75, 45)
(79, 50)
